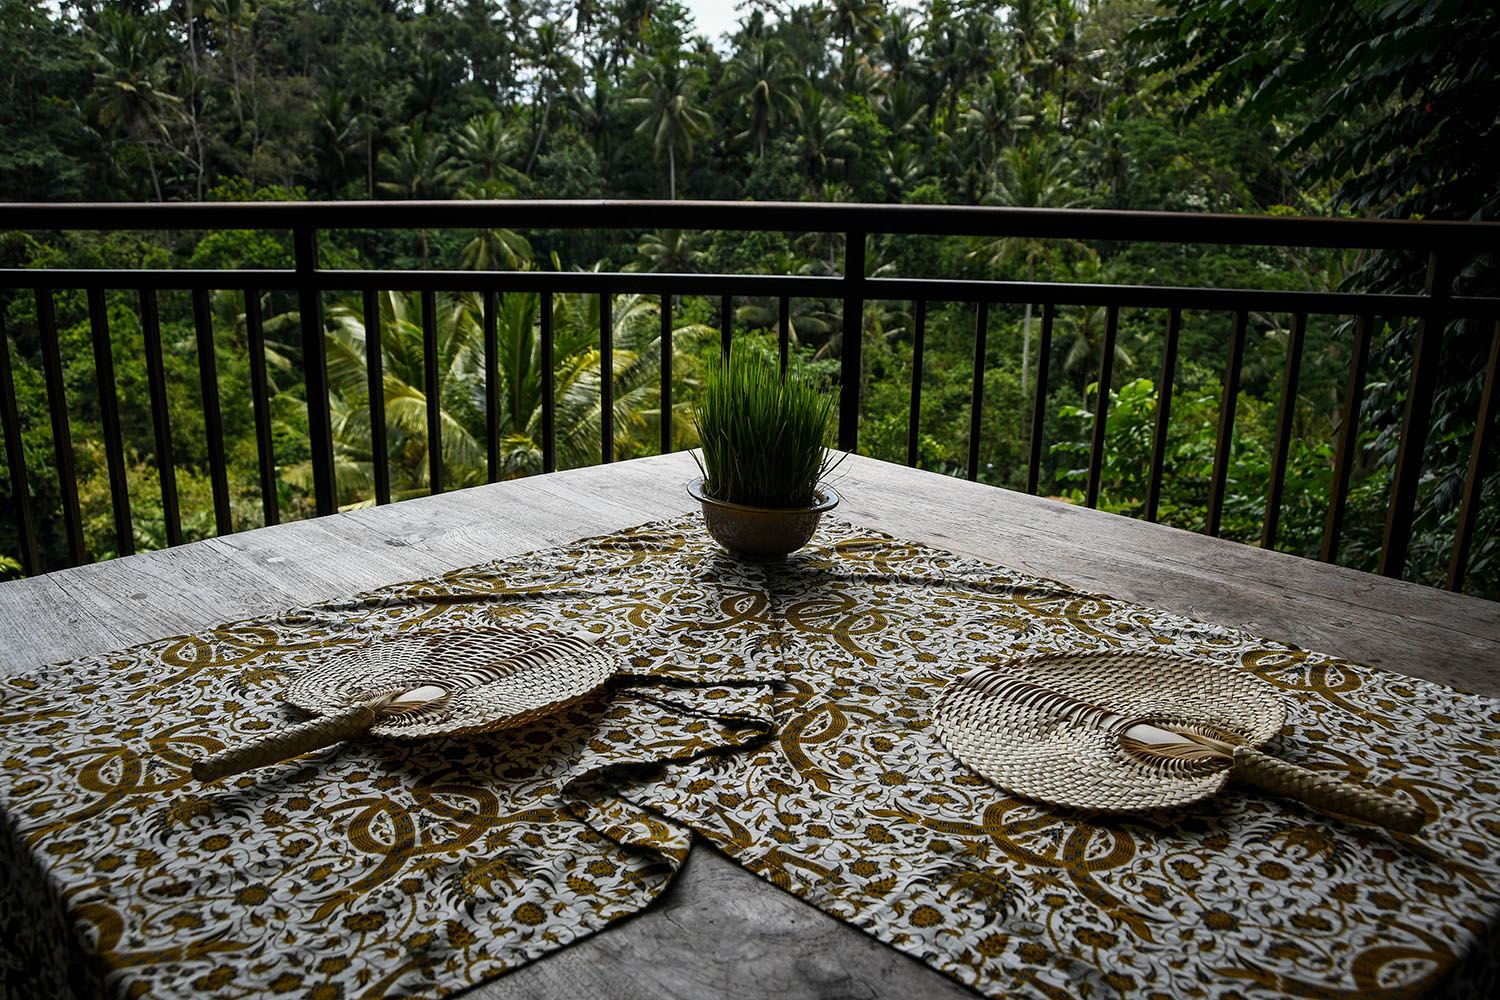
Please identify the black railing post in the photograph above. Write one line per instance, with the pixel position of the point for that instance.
(375, 390)
(549, 387)
(265, 448)
(606, 378)
(851, 365)
(664, 344)
(1163, 413)
(1220, 482)
(1101, 406)
(433, 390)
(156, 379)
(315, 370)
(62, 437)
(1348, 439)
(1290, 374)
(784, 330)
(213, 423)
(15, 457)
(1481, 457)
(976, 390)
(914, 414)
(1426, 356)
(109, 420)
(1039, 401)
(492, 385)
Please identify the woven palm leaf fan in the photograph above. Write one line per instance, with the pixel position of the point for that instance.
(1123, 731)
(428, 683)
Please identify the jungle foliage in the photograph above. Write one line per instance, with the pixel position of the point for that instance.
(1264, 106)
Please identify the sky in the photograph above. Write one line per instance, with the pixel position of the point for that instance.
(713, 17)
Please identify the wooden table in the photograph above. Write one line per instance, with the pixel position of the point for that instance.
(719, 931)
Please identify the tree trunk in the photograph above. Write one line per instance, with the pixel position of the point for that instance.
(541, 133)
(151, 163)
(672, 172)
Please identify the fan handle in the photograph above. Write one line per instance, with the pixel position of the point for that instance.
(1324, 791)
(284, 744)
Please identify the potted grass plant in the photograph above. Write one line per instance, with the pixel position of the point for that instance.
(763, 455)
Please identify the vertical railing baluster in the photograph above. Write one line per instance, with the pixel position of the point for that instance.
(664, 344)
(606, 378)
(260, 399)
(1481, 459)
(726, 322)
(109, 421)
(918, 345)
(976, 392)
(1101, 405)
(492, 384)
(213, 423)
(1163, 413)
(1220, 481)
(1290, 375)
(1348, 439)
(851, 366)
(315, 371)
(62, 438)
(1039, 401)
(375, 392)
(15, 457)
(784, 331)
(1415, 422)
(433, 389)
(549, 387)
(166, 462)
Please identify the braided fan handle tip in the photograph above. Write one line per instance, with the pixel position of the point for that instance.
(1323, 791)
(284, 744)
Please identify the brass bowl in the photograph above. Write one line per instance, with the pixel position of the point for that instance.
(761, 534)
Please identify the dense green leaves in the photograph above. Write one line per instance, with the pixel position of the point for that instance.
(1234, 106)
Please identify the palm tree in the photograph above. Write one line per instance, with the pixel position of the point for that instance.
(490, 248)
(460, 365)
(1080, 334)
(635, 332)
(1031, 25)
(556, 73)
(130, 82)
(900, 109)
(667, 92)
(856, 23)
(903, 169)
(762, 76)
(825, 138)
(898, 45)
(1035, 175)
(483, 152)
(420, 168)
(674, 251)
(593, 112)
(990, 122)
(958, 51)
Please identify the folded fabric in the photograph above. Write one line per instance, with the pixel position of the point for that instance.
(376, 868)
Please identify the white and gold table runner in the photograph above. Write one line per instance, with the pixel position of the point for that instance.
(784, 713)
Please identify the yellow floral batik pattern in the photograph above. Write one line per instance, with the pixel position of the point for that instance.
(789, 707)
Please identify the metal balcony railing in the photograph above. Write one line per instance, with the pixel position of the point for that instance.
(1448, 247)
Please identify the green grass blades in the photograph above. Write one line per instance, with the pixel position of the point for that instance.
(762, 435)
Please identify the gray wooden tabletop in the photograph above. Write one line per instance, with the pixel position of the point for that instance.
(719, 931)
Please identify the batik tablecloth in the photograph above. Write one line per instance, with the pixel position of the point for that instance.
(783, 712)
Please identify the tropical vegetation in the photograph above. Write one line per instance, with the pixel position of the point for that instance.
(1371, 108)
